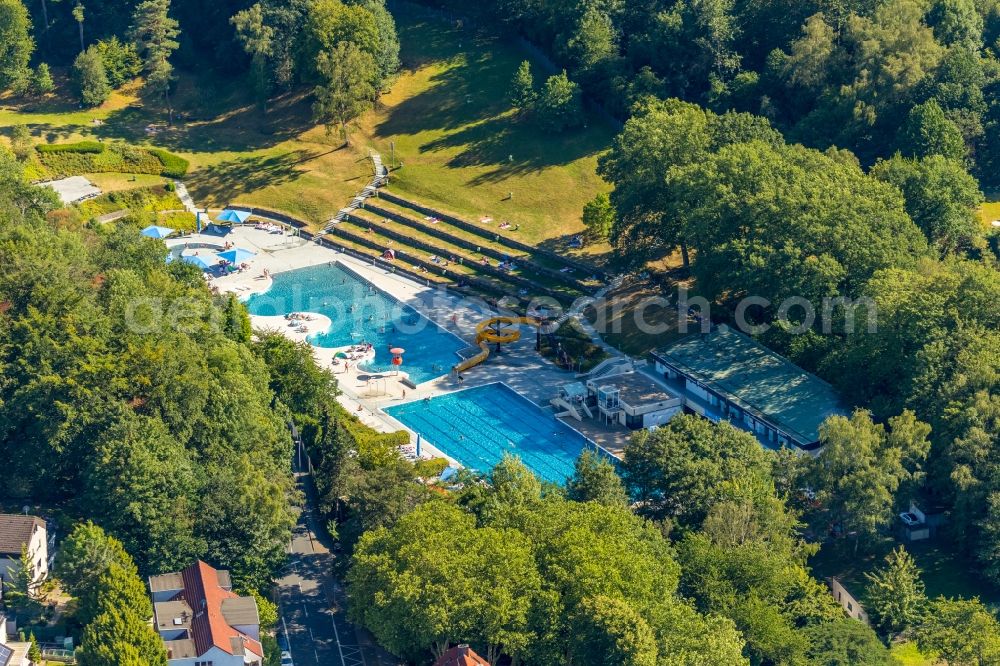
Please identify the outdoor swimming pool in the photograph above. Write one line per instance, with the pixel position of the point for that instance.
(361, 313)
(478, 425)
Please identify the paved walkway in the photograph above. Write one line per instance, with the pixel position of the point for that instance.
(182, 194)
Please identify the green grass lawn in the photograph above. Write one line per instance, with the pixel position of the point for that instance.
(462, 147)
(908, 654)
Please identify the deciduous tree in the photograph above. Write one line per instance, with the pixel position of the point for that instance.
(257, 38)
(559, 105)
(91, 79)
(894, 593)
(598, 217)
(346, 89)
(595, 479)
(16, 45)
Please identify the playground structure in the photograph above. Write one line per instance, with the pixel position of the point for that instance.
(495, 331)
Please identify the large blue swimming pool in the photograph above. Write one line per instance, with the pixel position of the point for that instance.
(478, 425)
(361, 313)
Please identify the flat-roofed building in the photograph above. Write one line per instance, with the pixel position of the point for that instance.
(633, 400)
(725, 375)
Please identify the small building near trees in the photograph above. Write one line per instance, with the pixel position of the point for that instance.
(20, 533)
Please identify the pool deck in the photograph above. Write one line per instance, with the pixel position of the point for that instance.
(518, 366)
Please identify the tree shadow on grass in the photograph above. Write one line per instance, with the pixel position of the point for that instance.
(198, 129)
(513, 146)
(225, 180)
(49, 132)
(472, 83)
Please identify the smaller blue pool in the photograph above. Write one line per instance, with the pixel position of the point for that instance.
(478, 425)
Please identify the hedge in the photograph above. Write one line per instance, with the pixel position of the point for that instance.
(174, 166)
(80, 147)
(112, 158)
(153, 198)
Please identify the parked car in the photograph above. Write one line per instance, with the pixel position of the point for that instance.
(286, 658)
(909, 519)
(283, 642)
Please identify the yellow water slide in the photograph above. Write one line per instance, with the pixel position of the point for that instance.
(495, 331)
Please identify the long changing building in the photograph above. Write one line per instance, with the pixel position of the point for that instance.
(725, 375)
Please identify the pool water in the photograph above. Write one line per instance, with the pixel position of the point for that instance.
(360, 313)
(478, 425)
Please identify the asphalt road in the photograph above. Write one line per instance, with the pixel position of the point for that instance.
(313, 603)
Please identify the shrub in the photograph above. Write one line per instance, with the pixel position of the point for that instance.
(139, 199)
(80, 147)
(179, 221)
(42, 82)
(174, 166)
(121, 61)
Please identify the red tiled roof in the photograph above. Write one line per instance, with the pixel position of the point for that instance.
(209, 628)
(461, 655)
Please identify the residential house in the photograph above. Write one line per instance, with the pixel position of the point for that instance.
(461, 655)
(202, 621)
(17, 531)
(726, 376)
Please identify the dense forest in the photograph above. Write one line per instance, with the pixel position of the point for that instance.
(873, 76)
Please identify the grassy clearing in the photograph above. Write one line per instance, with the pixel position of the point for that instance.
(944, 572)
(990, 211)
(463, 148)
(115, 182)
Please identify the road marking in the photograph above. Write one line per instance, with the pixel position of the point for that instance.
(336, 635)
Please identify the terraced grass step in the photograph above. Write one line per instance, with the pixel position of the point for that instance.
(545, 270)
(406, 257)
(456, 221)
(378, 236)
(530, 277)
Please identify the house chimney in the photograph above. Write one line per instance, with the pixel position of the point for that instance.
(463, 650)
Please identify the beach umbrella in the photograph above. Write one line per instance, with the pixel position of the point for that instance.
(153, 231)
(230, 215)
(340, 355)
(202, 262)
(449, 472)
(236, 256)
